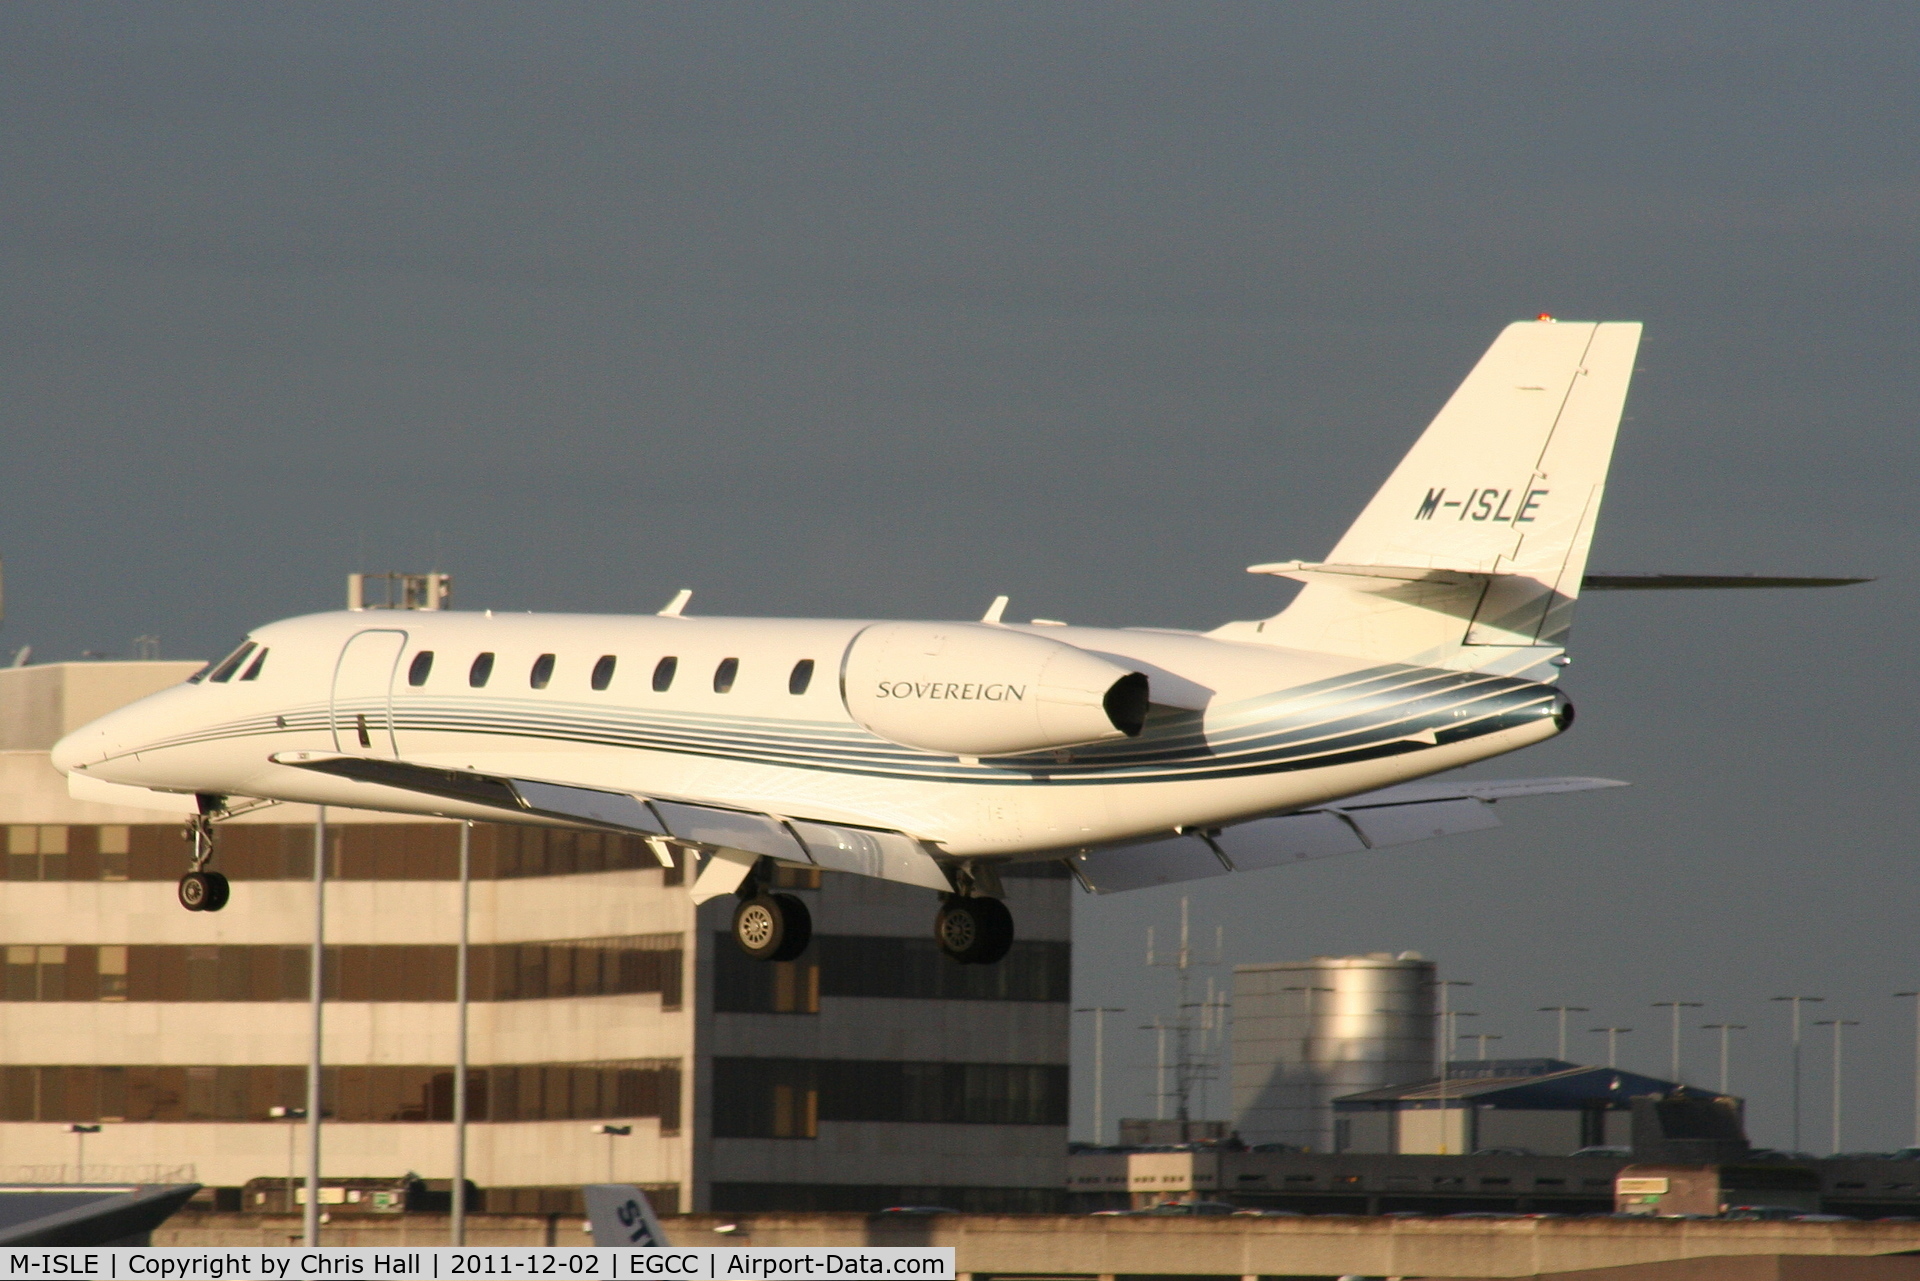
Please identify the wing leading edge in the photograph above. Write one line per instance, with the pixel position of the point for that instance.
(736, 839)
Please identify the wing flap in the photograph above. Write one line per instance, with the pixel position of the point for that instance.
(1392, 816)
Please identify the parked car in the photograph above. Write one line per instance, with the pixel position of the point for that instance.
(1192, 1207)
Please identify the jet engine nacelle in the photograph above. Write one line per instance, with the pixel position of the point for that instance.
(978, 690)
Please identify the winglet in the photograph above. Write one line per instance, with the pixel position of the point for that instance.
(995, 610)
(678, 603)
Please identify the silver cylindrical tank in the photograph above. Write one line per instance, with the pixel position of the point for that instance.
(1307, 1032)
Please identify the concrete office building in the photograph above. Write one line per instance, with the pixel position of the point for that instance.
(869, 1071)
(1308, 1032)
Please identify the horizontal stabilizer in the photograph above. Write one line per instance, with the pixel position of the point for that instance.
(1371, 821)
(1681, 582)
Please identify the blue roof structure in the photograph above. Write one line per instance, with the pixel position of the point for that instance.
(1547, 1085)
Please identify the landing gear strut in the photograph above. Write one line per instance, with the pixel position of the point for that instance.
(201, 890)
(973, 930)
(771, 927)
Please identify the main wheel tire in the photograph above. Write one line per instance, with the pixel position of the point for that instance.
(772, 927)
(196, 891)
(219, 891)
(799, 931)
(974, 931)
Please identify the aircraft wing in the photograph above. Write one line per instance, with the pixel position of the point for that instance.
(1373, 820)
(736, 838)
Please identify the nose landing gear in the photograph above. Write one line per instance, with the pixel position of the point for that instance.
(201, 890)
(973, 930)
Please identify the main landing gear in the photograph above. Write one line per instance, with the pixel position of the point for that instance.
(201, 890)
(973, 930)
(771, 927)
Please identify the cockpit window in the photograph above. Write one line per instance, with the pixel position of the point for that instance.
(253, 668)
(420, 668)
(230, 664)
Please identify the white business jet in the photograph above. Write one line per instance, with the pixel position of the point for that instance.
(936, 753)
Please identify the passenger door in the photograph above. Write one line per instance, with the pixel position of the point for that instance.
(362, 704)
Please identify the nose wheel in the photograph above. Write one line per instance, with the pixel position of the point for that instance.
(772, 927)
(201, 890)
(974, 930)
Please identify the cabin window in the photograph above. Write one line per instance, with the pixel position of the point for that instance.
(231, 663)
(603, 671)
(420, 668)
(663, 674)
(542, 671)
(482, 669)
(802, 677)
(723, 675)
(253, 668)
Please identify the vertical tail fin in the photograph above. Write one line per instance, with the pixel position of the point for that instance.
(1471, 554)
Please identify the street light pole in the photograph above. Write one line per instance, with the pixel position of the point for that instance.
(1443, 1050)
(612, 1132)
(1613, 1042)
(457, 1207)
(1723, 1029)
(1677, 1006)
(1100, 1013)
(1562, 1010)
(1796, 1000)
(1483, 1038)
(289, 1115)
(1916, 1066)
(316, 964)
(1838, 1026)
(80, 1133)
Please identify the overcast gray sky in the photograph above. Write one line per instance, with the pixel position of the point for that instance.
(884, 309)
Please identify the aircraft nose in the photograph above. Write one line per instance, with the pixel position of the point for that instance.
(77, 748)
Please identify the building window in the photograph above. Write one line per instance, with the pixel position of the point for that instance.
(482, 669)
(253, 669)
(542, 671)
(788, 1098)
(723, 675)
(519, 1092)
(603, 671)
(420, 668)
(663, 674)
(863, 965)
(284, 852)
(801, 677)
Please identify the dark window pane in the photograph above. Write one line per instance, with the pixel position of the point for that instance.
(663, 674)
(253, 668)
(223, 670)
(542, 671)
(603, 672)
(420, 668)
(481, 669)
(801, 678)
(723, 675)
